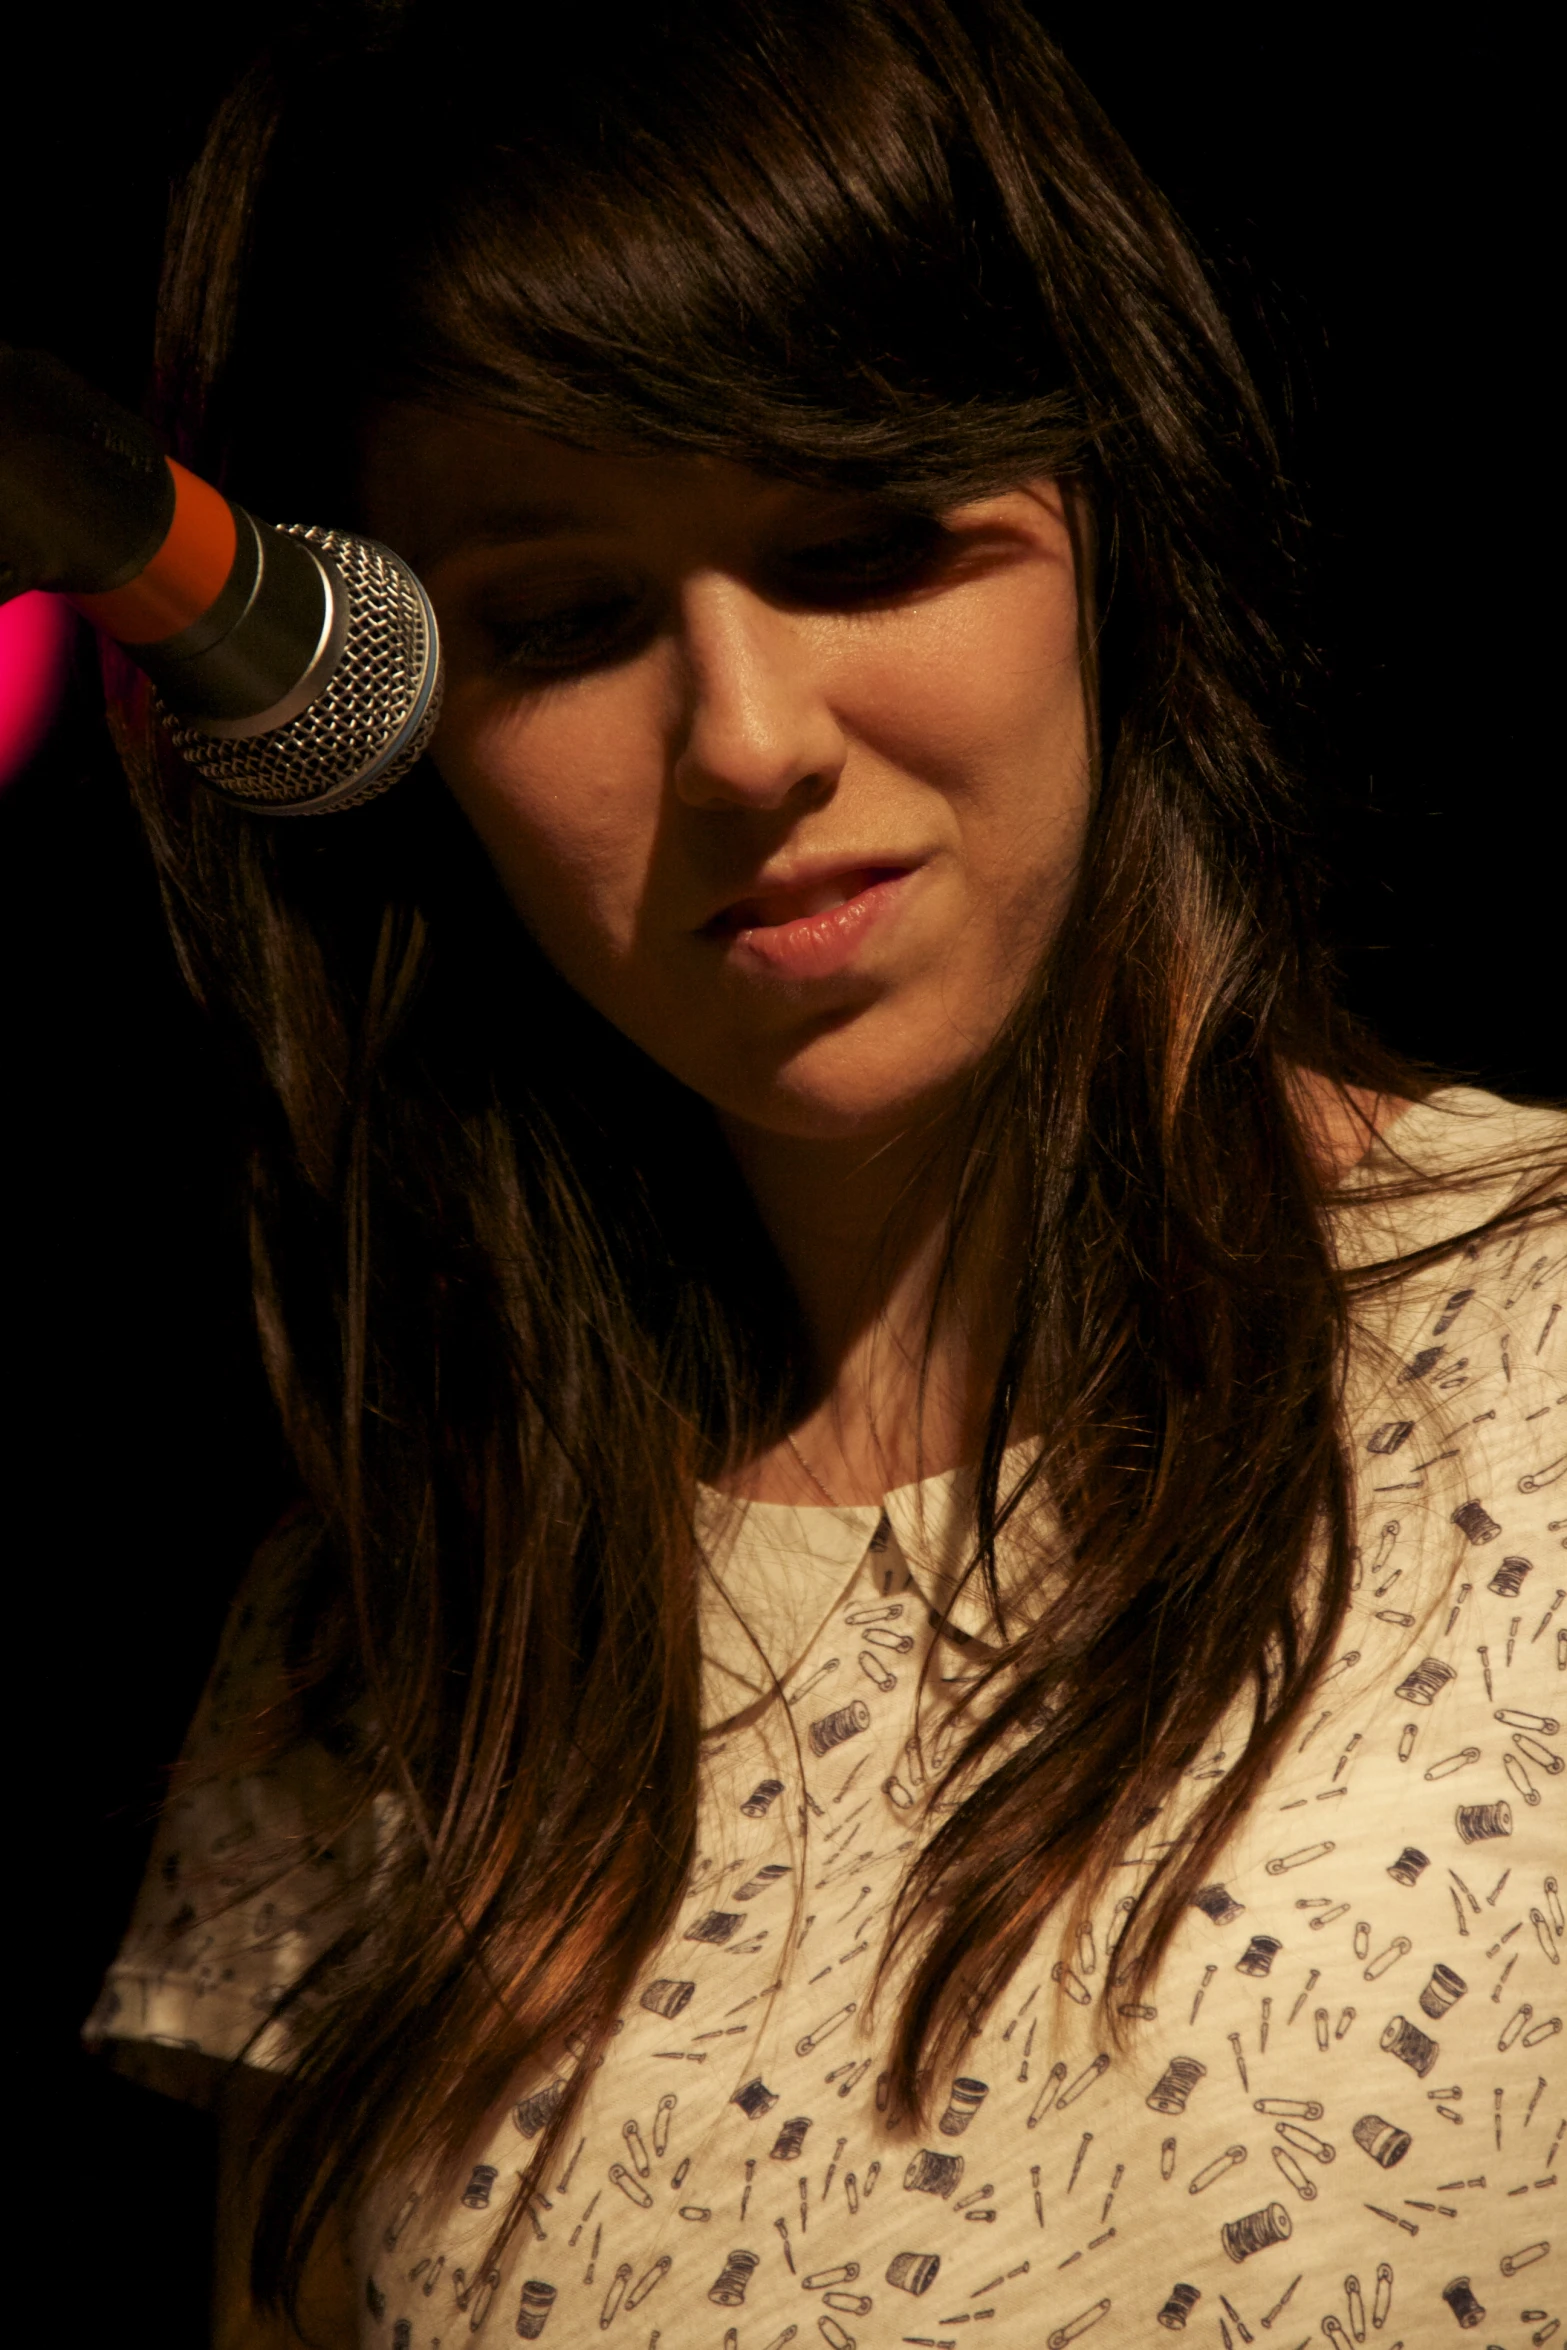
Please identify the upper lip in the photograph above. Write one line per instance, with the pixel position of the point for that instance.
(802, 880)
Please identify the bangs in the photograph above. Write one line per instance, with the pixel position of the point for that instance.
(760, 234)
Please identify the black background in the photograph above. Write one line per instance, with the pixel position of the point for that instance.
(1368, 199)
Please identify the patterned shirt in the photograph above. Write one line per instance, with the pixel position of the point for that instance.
(1339, 2115)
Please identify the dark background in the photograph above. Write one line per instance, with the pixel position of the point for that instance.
(1368, 200)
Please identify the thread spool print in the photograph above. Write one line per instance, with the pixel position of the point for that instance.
(1384, 2141)
(1410, 2045)
(754, 2098)
(1461, 2301)
(933, 2174)
(786, 2146)
(476, 2195)
(1444, 1990)
(1255, 2232)
(965, 2101)
(1179, 2078)
(1425, 1683)
(1259, 1954)
(1410, 1862)
(1218, 1903)
(403, 2334)
(833, 1729)
(913, 2272)
(761, 1797)
(1475, 1520)
(728, 2288)
(1183, 2300)
(538, 2299)
(1477, 1823)
(667, 1997)
(1509, 1578)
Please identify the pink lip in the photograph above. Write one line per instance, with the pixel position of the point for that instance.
(817, 941)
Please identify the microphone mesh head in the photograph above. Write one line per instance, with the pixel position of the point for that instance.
(373, 717)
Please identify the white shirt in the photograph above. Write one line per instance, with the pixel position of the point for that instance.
(1341, 2114)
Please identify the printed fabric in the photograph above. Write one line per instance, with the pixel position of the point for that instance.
(1339, 2115)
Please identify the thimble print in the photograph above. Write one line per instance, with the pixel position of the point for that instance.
(718, 1926)
(532, 2113)
(913, 2272)
(1443, 1991)
(1382, 2140)
(667, 1997)
(933, 2174)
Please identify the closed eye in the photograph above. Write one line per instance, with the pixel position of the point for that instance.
(565, 636)
(885, 558)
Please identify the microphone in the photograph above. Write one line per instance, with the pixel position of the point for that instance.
(298, 668)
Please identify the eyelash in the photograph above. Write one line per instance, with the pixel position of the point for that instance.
(858, 568)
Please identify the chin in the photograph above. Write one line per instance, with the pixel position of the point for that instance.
(832, 1098)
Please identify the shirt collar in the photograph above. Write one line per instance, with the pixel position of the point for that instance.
(775, 1572)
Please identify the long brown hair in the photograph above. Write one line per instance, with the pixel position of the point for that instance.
(514, 1297)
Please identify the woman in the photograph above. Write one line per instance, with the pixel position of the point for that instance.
(881, 1382)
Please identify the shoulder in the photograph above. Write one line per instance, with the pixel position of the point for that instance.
(1456, 1402)
(1445, 1168)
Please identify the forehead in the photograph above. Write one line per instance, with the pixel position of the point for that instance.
(438, 484)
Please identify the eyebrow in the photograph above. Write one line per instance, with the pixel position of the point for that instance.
(516, 519)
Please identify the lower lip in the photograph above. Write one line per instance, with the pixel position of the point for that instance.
(818, 945)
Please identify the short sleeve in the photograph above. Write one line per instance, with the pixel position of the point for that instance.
(257, 1866)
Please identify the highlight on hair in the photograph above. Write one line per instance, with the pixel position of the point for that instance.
(514, 1298)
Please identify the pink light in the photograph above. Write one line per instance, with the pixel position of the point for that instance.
(35, 646)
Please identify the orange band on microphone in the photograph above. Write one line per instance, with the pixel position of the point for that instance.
(184, 578)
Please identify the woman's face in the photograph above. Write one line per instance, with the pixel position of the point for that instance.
(790, 786)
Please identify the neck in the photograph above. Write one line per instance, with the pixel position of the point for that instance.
(862, 1227)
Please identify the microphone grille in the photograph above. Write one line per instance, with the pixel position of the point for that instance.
(373, 716)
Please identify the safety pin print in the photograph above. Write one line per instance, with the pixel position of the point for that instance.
(1312, 2080)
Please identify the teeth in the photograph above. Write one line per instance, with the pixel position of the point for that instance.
(802, 905)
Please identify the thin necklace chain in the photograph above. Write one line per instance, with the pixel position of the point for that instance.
(830, 1498)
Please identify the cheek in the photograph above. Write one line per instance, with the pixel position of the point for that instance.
(564, 792)
(980, 696)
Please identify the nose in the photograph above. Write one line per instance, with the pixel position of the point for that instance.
(758, 727)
